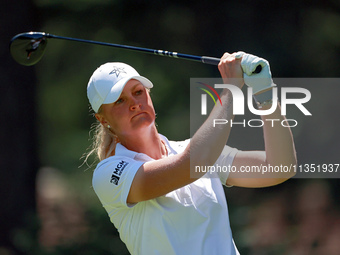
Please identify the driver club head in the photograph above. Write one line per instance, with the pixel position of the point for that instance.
(28, 48)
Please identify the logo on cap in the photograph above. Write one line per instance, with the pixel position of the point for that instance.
(117, 71)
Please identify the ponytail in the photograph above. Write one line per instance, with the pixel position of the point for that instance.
(103, 142)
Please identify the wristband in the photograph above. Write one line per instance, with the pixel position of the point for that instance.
(263, 99)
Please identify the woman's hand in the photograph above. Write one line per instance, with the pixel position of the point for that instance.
(231, 70)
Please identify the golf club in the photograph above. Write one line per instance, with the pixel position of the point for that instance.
(28, 48)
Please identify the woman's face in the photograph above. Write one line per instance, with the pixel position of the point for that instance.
(131, 114)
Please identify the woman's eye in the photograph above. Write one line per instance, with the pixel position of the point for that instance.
(139, 92)
(119, 101)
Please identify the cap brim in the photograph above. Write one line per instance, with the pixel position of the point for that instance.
(117, 89)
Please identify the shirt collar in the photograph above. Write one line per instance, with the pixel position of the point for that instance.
(121, 150)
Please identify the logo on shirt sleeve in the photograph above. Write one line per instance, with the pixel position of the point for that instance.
(114, 179)
(118, 172)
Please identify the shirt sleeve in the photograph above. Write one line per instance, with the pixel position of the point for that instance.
(225, 162)
(112, 180)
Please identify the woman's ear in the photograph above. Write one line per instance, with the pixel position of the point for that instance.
(101, 119)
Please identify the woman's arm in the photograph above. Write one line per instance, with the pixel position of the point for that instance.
(159, 177)
(279, 154)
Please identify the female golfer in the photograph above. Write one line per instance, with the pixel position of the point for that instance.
(144, 180)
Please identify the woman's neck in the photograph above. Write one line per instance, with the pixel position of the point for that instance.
(149, 143)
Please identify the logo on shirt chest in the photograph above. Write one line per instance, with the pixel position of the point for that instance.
(118, 172)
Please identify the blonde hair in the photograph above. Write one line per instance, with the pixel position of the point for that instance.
(103, 142)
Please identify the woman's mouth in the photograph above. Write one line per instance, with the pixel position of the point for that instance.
(138, 114)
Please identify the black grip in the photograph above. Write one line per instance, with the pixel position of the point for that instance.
(210, 60)
(216, 61)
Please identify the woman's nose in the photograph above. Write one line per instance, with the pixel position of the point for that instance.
(134, 104)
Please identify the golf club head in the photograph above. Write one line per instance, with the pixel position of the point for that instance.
(28, 48)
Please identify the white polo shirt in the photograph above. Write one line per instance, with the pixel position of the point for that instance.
(191, 220)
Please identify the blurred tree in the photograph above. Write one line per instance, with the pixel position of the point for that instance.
(18, 162)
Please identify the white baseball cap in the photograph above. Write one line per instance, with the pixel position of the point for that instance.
(108, 81)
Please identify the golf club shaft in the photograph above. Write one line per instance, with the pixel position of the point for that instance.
(28, 48)
(202, 59)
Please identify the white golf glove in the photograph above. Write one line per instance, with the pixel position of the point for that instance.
(258, 81)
